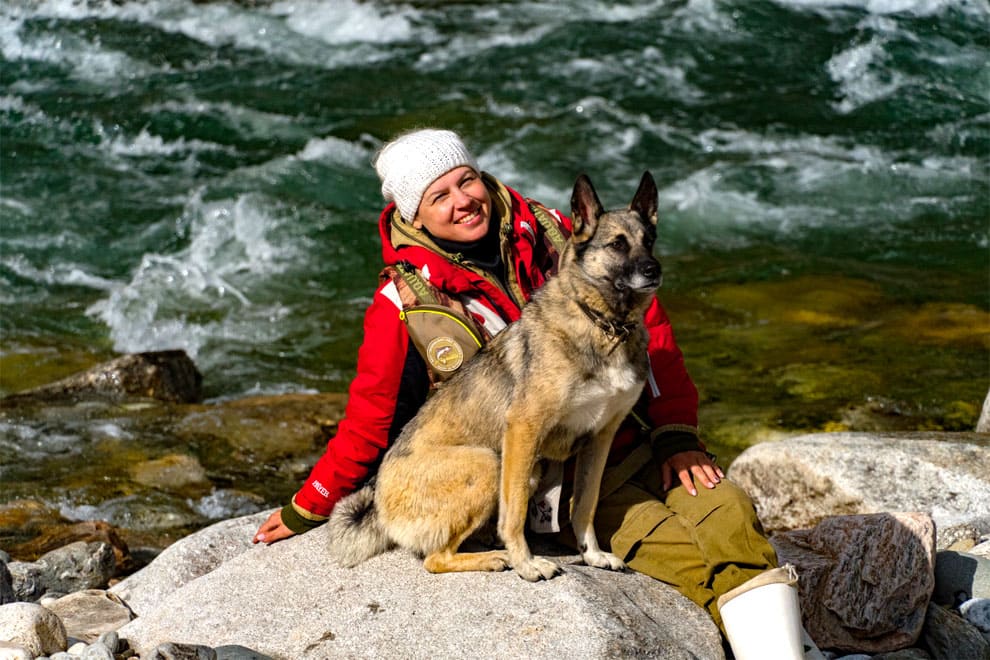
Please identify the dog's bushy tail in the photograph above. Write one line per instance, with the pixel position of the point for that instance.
(355, 531)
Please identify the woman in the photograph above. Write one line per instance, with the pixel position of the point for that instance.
(458, 238)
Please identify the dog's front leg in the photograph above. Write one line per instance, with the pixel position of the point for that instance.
(519, 449)
(587, 484)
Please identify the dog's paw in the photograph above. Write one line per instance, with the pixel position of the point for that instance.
(535, 569)
(601, 559)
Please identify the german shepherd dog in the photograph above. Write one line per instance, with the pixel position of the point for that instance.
(554, 384)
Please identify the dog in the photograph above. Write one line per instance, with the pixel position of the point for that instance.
(555, 384)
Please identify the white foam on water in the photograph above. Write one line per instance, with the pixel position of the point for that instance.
(30, 443)
(709, 208)
(448, 51)
(297, 32)
(801, 171)
(864, 75)
(348, 21)
(147, 144)
(203, 293)
(337, 151)
(85, 59)
(222, 504)
(248, 122)
(884, 7)
(647, 69)
(112, 431)
(65, 274)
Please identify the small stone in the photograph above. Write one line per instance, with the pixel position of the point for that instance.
(236, 652)
(9, 651)
(950, 637)
(977, 612)
(97, 651)
(912, 653)
(175, 473)
(27, 580)
(981, 550)
(33, 627)
(50, 597)
(77, 566)
(92, 613)
(173, 651)
(6, 584)
(111, 640)
(77, 648)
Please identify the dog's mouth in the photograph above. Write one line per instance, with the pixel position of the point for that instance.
(640, 282)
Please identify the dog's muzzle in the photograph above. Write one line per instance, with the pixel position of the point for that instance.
(645, 275)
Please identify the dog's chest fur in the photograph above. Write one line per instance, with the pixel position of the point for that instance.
(592, 403)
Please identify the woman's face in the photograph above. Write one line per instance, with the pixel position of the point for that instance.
(456, 206)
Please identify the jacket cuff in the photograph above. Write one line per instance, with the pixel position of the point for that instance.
(298, 519)
(667, 442)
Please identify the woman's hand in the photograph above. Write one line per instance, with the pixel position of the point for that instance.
(690, 465)
(272, 530)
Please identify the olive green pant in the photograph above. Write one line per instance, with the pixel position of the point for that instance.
(702, 545)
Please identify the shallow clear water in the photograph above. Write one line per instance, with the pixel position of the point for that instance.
(197, 175)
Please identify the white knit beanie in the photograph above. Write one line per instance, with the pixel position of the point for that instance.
(410, 163)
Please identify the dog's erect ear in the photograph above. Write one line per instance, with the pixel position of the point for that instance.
(645, 201)
(585, 209)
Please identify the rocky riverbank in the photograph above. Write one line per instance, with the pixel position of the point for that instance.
(890, 533)
(896, 572)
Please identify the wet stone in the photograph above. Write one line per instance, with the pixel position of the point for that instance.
(169, 376)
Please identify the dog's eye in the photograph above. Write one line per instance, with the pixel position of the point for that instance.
(619, 244)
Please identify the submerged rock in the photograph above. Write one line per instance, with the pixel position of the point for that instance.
(169, 376)
(74, 567)
(174, 473)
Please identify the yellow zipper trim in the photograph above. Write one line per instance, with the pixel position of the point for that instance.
(403, 313)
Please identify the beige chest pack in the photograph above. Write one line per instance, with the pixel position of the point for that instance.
(441, 329)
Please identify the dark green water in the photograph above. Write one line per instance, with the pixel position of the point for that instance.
(197, 175)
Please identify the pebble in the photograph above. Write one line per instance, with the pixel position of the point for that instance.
(977, 612)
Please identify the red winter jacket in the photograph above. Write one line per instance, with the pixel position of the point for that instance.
(392, 380)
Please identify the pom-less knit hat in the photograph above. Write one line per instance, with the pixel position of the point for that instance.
(410, 163)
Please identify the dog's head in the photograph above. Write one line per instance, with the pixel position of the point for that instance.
(616, 247)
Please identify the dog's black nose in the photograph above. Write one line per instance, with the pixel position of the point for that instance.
(649, 268)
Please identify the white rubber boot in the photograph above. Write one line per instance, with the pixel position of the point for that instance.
(762, 619)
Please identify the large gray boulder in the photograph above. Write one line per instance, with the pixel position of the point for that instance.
(796, 483)
(185, 560)
(288, 601)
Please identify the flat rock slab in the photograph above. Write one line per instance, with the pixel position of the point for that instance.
(288, 601)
